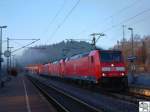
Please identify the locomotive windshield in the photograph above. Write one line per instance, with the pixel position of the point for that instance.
(110, 56)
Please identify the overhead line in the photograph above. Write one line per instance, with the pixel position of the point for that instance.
(117, 13)
(135, 22)
(128, 19)
(56, 15)
(25, 46)
(66, 17)
(123, 9)
(139, 21)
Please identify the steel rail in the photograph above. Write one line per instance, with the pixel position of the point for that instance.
(49, 98)
(124, 95)
(139, 90)
(75, 100)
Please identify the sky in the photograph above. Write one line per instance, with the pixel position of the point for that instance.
(44, 19)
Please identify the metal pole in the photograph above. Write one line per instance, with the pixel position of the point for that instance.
(10, 62)
(1, 27)
(133, 66)
(7, 57)
(132, 53)
(123, 26)
(132, 42)
(13, 61)
(94, 41)
(118, 44)
(10, 58)
(1, 52)
(132, 46)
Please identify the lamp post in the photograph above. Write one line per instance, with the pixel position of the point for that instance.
(132, 48)
(123, 32)
(118, 44)
(1, 28)
(132, 55)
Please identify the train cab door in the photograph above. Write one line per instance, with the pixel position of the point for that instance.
(91, 65)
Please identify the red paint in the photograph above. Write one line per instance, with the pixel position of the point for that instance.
(87, 66)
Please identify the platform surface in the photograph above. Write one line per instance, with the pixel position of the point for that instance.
(142, 80)
(20, 95)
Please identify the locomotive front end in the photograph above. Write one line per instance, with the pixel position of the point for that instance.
(113, 71)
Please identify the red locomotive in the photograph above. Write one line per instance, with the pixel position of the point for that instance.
(95, 67)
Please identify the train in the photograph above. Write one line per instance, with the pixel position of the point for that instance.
(104, 67)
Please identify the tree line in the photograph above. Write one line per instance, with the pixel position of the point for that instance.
(141, 48)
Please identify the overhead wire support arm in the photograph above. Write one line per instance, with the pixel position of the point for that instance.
(35, 40)
(100, 35)
(23, 39)
(94, 40)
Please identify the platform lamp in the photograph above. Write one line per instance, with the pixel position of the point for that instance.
(132, 55)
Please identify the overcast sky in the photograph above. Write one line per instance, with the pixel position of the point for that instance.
(38, 19)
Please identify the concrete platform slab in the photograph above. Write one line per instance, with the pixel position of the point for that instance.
(20, 95)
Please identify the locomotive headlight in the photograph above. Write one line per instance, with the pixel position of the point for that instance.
(112, 65)
(122, 74)
(103, 74)
(105, 69)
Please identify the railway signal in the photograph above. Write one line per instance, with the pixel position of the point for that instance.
(132, 58)
(7, 53)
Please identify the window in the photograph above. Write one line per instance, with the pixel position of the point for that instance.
(75, 57)
(112, 56)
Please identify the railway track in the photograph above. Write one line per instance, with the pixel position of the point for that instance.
(140, 91)
(103, 102)
(63, 101)
(130, 96)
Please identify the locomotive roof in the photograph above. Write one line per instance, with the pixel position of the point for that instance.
(110, 50)
(76, 56)
(87, 53)
(79, 55)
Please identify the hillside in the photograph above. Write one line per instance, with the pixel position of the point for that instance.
(49, 53)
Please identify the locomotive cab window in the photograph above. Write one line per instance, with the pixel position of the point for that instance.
(111, 56)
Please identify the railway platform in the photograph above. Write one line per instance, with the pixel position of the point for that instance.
(20, 95)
